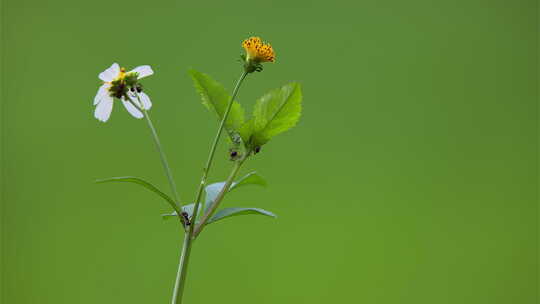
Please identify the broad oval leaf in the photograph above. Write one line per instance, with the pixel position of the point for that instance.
(215, 98)
(141, 182)
(229, 212)
(274, 113)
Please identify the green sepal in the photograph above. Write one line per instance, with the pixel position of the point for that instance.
(131, 79)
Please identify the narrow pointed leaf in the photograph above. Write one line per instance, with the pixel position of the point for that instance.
(216, 98)
(141, 182)
(275, 112)
(229, 212)
(167, 216)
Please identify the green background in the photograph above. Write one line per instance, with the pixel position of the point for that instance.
(412, 176)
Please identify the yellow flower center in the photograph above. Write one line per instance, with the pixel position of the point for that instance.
(117, 87)
(121, 75)
(258, 51)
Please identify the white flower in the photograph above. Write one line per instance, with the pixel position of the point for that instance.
(115, 85)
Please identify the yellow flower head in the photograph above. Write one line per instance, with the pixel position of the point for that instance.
(258, 51)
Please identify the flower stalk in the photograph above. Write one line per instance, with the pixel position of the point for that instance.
(190, 236)
(165, 164)
(163, 158)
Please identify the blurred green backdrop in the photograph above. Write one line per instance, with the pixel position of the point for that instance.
(411, 178)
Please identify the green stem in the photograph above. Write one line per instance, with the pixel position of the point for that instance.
(237, 165)
(162, 157)
(186, 250)
(182, 270)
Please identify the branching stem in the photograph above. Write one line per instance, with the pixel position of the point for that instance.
(237, 165)
(189, 237)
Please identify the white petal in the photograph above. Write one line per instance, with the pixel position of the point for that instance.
(104, 109)
(145, 100)
(143, 71)
(132, 110)
(102, 92)
(110, 73)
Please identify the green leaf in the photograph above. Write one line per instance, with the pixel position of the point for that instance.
(213, 190)
(215, 98)
(274, 113)
(141, 182)
(168, 216)
(228, 212)
(251, 178)
(246, 130)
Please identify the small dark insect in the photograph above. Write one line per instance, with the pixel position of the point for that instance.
(257, 149)
(234, 154)
(185, 215)
(139, 88)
